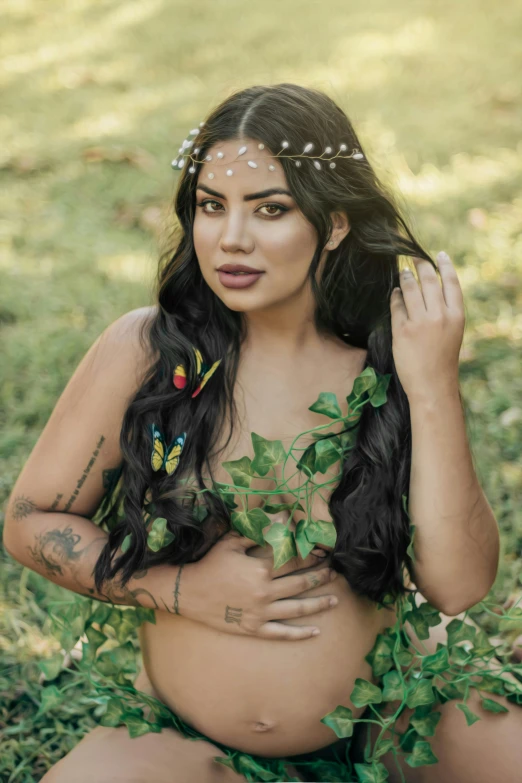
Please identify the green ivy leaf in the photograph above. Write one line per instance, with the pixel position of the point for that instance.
(471, 718)
(452, 690)
(327, 404)
(437, 662)
(327, 453)
(303, 544)
(240, 470)
(276, 508)
(100, 614)
(307, 461)
(512, 620)
(281, 539)
(200, 512)
(493, 706)
(123, 622)
(51, 667)
(422, 618)
(113, 713)
(365, 382)
(410, 549)
(422, 693)
(136, 724)
(376, 773)
(422, 755)
(491, 683)
(382, 747)
(393, 687)
(458, 631)
(251, 524)
(321, 531)
(268, 453)
(378, 393)
(159, 536)
(125, 544)
(248, 766)
(425, 725)
(119, 659)
(340, 720)
(365, 693)
(51, 698)
(222, 492)
(481, 645)
(380, 656)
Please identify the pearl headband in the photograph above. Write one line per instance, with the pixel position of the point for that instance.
(179, 162)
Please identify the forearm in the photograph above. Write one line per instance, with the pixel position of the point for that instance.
(64, 548)
(456, 535)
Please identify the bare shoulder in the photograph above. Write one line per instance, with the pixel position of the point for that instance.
(128, 337)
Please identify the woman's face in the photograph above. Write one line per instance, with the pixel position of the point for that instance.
(239, 221)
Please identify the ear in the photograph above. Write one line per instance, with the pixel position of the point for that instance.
(341, 227)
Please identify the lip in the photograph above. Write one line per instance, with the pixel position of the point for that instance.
(238, 281)
(238, 268)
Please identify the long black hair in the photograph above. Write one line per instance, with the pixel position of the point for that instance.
(352, 302)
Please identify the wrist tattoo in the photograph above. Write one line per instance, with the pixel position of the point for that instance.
(233, 615)
(176, 590)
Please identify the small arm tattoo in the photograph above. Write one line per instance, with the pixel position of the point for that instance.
(233, 615)
(22, 507)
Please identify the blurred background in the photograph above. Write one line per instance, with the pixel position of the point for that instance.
(96, 100)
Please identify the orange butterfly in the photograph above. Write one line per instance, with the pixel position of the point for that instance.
(204, 371)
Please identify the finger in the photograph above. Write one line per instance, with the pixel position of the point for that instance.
(300, 607)
(411, 294)
(242, 542)
(399, 314)
(293, 585)
(275, 630)
(430, 286)
(451, 289)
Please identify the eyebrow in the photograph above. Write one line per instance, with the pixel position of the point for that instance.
(249, 196)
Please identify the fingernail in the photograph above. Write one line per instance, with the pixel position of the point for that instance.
(316, 632)
(443, 256)
(333, 601)
(334, 575)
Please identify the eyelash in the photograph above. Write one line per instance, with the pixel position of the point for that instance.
(201, 204)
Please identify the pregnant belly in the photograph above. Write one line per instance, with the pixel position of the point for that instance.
(264, 696)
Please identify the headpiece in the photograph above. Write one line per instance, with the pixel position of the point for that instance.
(318, 161)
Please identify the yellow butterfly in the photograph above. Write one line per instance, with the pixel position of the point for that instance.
(162, 457)
(203, 372)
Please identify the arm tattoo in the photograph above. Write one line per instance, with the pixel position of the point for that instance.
(22, 507)
(54, 549)
(233, 615)
(176, 590)
(84, 475)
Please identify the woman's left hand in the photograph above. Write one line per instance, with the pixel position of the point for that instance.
(427, 329)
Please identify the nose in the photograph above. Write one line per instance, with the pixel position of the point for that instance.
(234, 236)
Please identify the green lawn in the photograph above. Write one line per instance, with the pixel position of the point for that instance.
(98, 96)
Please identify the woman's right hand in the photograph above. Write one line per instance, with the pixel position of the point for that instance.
(232, 592)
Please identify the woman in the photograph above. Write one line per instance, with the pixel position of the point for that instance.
(182, 395)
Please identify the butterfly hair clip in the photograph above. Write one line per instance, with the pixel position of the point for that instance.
(203, 371)
(163, 457)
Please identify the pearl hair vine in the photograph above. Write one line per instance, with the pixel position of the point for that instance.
(179, 162)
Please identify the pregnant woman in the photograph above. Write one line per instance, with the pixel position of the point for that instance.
(272, 548)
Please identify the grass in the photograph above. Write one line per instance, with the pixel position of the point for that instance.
(97, 99)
